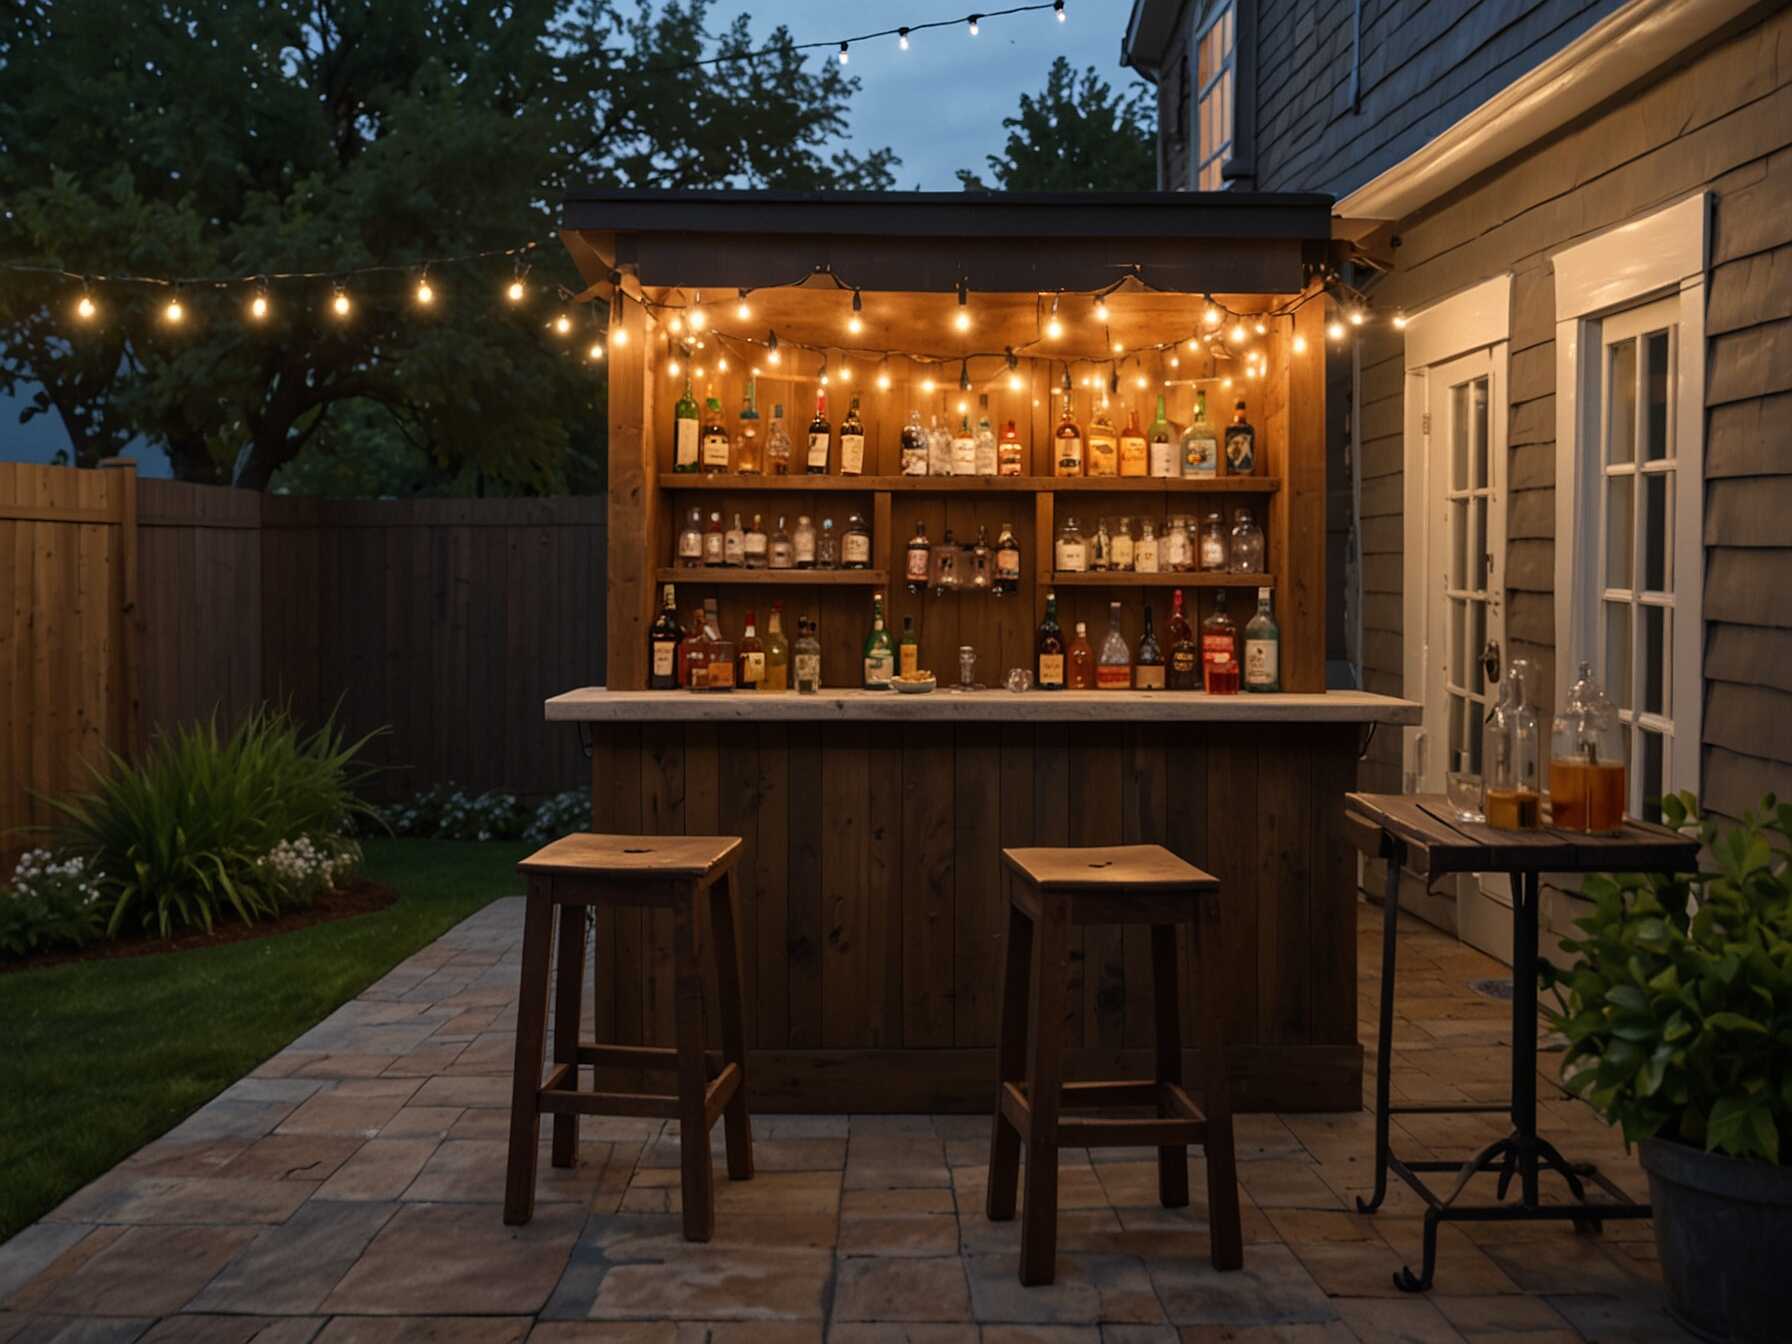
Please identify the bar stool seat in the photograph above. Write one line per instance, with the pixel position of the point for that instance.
(1049, 892)
(666, 872)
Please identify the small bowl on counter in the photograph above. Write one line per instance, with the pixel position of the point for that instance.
(918, 683)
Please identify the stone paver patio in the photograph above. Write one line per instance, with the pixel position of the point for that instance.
(347, 1192)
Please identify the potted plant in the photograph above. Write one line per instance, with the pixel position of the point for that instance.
(1678, 1015)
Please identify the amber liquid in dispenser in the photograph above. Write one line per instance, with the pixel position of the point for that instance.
(1586, 796)
(1512, 809)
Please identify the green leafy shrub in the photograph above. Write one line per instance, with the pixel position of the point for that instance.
(1678, 1007)
(52, 902)
(447, 812)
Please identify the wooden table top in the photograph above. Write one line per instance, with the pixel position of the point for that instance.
(1436, 843)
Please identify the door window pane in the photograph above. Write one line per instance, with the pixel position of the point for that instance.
(1617, 652)
(1459, 431)
(1620, 434)
(1478, 556)
(1655, 643)
(1620, 494)
(1458, 632)
(1656, 441)
(1477, 677)
(1656, 562)
(1652, 783)
(1479, 437)
(1459, 543)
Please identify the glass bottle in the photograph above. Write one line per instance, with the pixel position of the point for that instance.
(690, 541)
(1067, 443)
(721, 649)
(1241, 444)
(662, 645)
(715, 434)
(880, 653)
(1511, 797)
(1121, 546)
(750, 661)
(964, 449)
(1263, 648)
(1007, 562)
(1161, 438)
(802, 542)
(779, 553)
(693, 656)
(746, 438)
(1104, 445)
(734, 545)
(1134, 457)
(1183, 668)
(1148, 667)
(777, 443)
(856, 544)
(806, 658)
(908, 649)
(916, 568)
(688, 430)
(914, 446)
(1200, 444)
(753, 545)
(821, 438)
(1011, 453)
(1178, 547)
(852, 442)
(1101, 548)
(1587, 781)
(986, 440)
(939, 448)
(1113, 667)
(1214, 546)
(1219, 650)
(777, 652)
(1071, 554)
(1145, 553)
(1050, 649)
(827, 546)
(715, 543)
(980, 576)
(1246, 545)
(1079, 661)
(944, 568)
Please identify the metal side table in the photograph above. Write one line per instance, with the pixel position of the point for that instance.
(1421, 833)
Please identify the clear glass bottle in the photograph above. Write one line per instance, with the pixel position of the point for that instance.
(1146, 553)
(747, 446)
(715, 543)
(986, 440)
(855, 545)
(1262, 648)
(1007, 562)
(690, 541)
(1587, 779)
(1178, 547)
(777, 653)
(1200, 443)
(1079, 660)
(734, 545)
(1011, 453)
(1135, 457)
(918, 562)
(1101, 549)
(1121, 547)
(693, 654)
(1245, 549)
(1103, 447)
(753, 545)
(777, 443)
(827, 546)
(805, 658)
(880, 650)
(964, 449)
(979, 577)
(1113, 665)
(721, 649)
(1162, 436)
(914, 446)
(1071, 553)
(802, 542)
(1511, 790)
(687, 431)
(943, 570)
(1214, 545)
(779, 553)
(939, 448)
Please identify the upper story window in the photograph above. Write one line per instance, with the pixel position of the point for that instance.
(1214, 92)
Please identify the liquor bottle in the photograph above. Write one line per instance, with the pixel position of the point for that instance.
(779, 553)
(1212, 549)
(1007, 562)
(915, 570)
(802, 542)
(1121, 545)
(1262, 649)
(1104, 445)
(715, 543)
(690, 541)
(944, 566)
(980, 563)
(1050, 649)
(777, 443)
(1113, 668)
(662, 646)
(1146, 553)
(747, 446)
(1071, 553)
(750, 661)
(852, 442)
(734, 545)
(1101, 548)
(1011, 453)
(1178, 553)
(939, 448)
(827, 546)
(1219, 650)
(821, 437)
(880, 656)
(684, 450)
(964, 449)
(715, 434)
(1241, 444)
(777, 653)
(721, 650)
(1133, 459)
(1163, 441)
(806, 658)
(856, 545)
(753, 545)
(914, 446)
(986, 440)
(1200, 445)
(1183, 671)
(1148, 667)
(1079, 661)
(1067, 443)
(693, 665)
(908, 649)
(1245, 552)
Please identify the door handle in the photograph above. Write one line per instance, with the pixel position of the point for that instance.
(1490, 660)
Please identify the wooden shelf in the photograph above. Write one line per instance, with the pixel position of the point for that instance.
(776, 578)
(1125, 578)
(973, 485)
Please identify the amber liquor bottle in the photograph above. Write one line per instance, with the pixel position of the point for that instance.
(821, 438)
(1219, 650)
(751, 659)
(1050, 648)
(1079, 661)
(1183, 667)
(662, 646)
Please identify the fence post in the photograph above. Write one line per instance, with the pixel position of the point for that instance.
(128, 675)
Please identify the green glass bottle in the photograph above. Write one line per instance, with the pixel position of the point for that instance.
(880, 652)
(689, 432)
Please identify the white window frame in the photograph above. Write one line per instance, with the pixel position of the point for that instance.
(1198, 157)
(1663, 255)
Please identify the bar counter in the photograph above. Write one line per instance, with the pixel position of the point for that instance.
(872, 903)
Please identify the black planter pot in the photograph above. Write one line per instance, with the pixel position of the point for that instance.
(1723, 1227)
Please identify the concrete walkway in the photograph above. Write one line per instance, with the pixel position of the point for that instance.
(347, 1192)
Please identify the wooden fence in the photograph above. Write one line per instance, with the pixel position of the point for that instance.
(127, 606)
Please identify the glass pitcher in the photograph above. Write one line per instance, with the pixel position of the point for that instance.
(1511, 797)
(1587, 781)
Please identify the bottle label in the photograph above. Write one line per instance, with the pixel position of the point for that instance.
(713, 550)
(878, 669)
(964, 457)
(1132, 457)
(1241, 451)
(721, 674)
(1120, 551)
(1216, 652)
(1109, 677)
(1073, 557)
(857, 548)
(911, 659)
(1262, 662)
(808, 669)
(1163, 457)
(1199, 454)
(715, 451)
(1148, 676)
(917, 564)
(734, 548)
(1010, 460)
(686, 455)
(1144, 558)
(1008, 563)
(754, 544)
(852, 454)
(664, 651)
(1070, 455)
(986, 459)
(1182, 659)
(914, 461)
(804, 545)
(939, 455)
(752, 668)
(1213, 551)
(781, 557)
(818, 451)
(1051, 669)
(1178, 549)
(690, 545)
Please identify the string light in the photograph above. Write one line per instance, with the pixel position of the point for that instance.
(1054, 328)
(596, 352)
(928, 385)
(1262, 330)
(883, 378)
(1101, 310)
(973, 21)
(855, 324)
(1300, 345)
(1194, 345)
(1335, 329)
(843, 56)
(1239, 334)
(426, 293)
(672, 368)
(563, 324)
(1143, 381)
(845, 373)
(258, 306)
(676, 325)
(964, 375)
(1400, 321)
(1226, 383)
(722, 364)
(174, 314)
(742, 310)
(902, 38)
(1119, 349)
(340, 303)
(697, 371)
(515, 291)
(963, 318)
(1356, 317)
(1058, 9)
(1175, 361)
(698, 319)
(772, 356)
(1211, 317)
(1014, 383)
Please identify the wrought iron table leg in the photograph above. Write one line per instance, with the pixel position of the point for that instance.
(1406, 1281)
(1524, 1030)
(1384, 1044)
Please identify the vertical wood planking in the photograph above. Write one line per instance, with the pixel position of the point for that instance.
(848, 1004)
(1144, 821)
(1186, 812)
(740, 795)
(1232, 858)
(928, 801)
(1297, 510)
(662, 813)
(1331, 915)
(1051, 824)
(884, 868)
(1284, 868)
(772, 887)
(1096, 819)
(803, 909)
(980, 913)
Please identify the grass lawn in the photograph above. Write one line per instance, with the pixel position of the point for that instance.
(97, 1058)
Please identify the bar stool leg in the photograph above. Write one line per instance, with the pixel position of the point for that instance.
(568, 982)
(1172, 1163)
(737, 1126)
(1223, 1223)
(693, 1133)
(1011, 1065)
(531, 1040)
(1051, 976)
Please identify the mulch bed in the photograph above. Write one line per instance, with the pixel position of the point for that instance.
(359, 897)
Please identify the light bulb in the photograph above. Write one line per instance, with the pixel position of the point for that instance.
(1101, 310)
(1261, 329)
(1014, 382)
(515, 291)
(563, 324)
(773, 357)
(855, 324)
(340, 303)
(619, 335)
(902, 38)
(426, 295)
(1226, 383)
(1239, 334)
(1175, 361)
(1399, 321)
(883, 382)
(721, 366)
(927, 385)
(1119, 349)
(258, 307)
(846, 373)
(697, 371)
(1300, 345)
(672, 368)
(173, 313)
(675, 325)
(698, 319)
(974, 29)
(962, 321)
(85, 309)
(963, 407)
(1054, 329)
(1059, 8)
(742, 311)
(596, 352)
(1212, 316)
(1356, 317)
(1335, 329)
(1143, 381)
(1194, 346)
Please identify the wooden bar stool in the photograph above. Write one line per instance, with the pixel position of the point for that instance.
(665, 872)
(1049, 891)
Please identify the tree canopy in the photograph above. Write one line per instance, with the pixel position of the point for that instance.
(218, 138)
(1077, 134)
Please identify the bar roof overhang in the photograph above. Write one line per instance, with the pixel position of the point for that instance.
(1188, 242)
